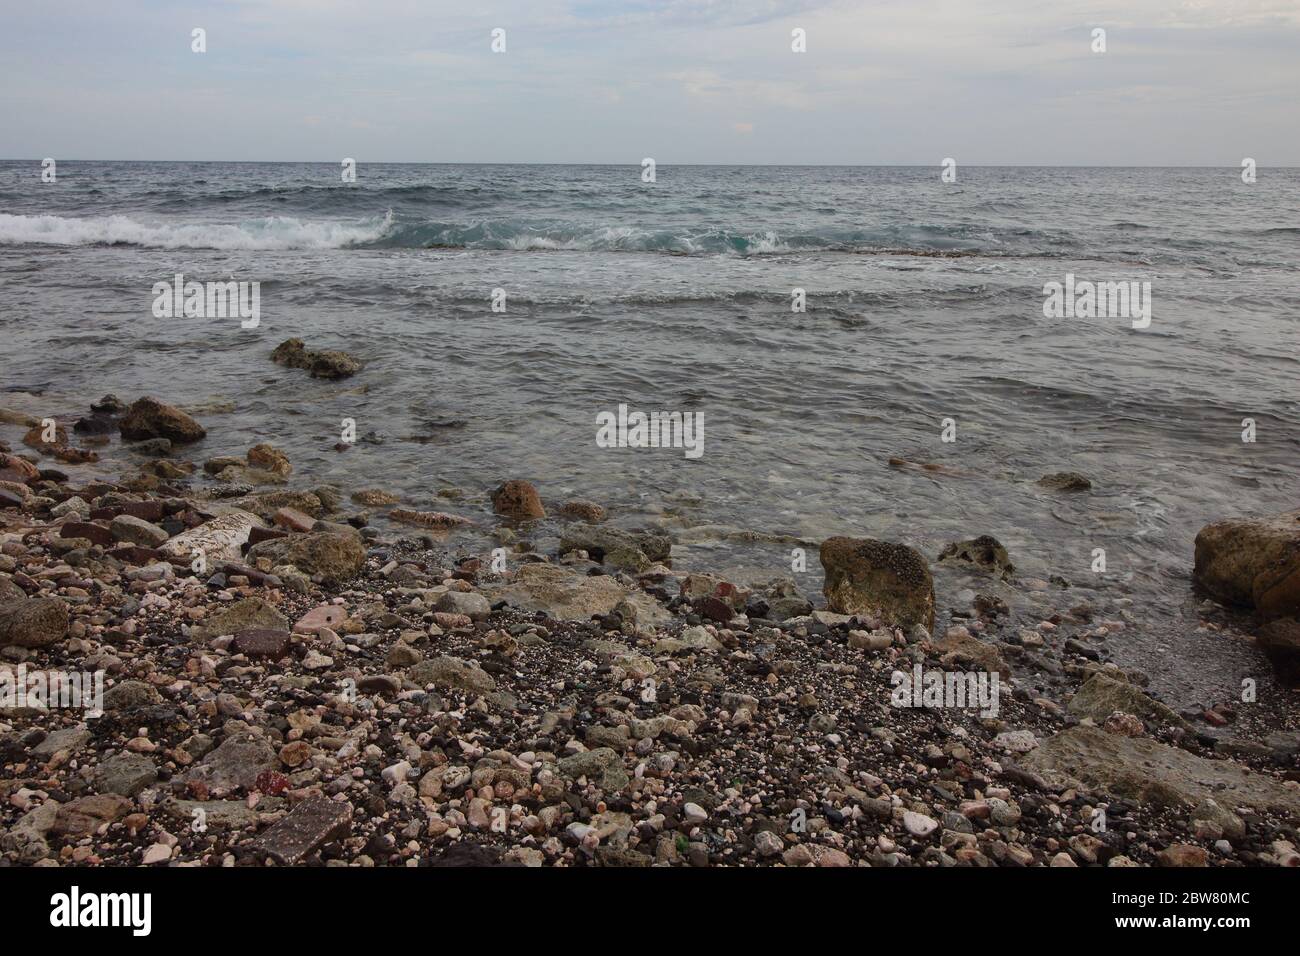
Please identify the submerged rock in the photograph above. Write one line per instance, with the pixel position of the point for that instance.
(1065, 481)
(984, 552)
(866, 576)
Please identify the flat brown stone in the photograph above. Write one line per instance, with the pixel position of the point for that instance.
(308, 827)
(95, 533)
(262, 642)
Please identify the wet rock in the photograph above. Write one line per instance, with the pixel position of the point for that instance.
(1101, 696)
(985, 553)
(309, 826)
(333, 558)
(33, 622)
(517, 499)
(291, 519)
(1065, 481)
(428, 519)
(583, 511)
(866, 576)
(329, 364)
(332, 364)
(269, 458)
(150, 418)
(1253, 563)
(291, 353)
(597, 541)
(374, 498)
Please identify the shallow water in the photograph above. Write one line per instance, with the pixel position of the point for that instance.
(924, 303)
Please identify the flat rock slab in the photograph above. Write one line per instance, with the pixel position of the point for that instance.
(564, 594)
(84, 816)
(308, 827)
(126, 774)
(220, 814)
(94, 533)
(1136, 768)
(327, 615)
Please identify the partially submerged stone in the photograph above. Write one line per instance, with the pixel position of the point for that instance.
(150, 418)
(866, 576)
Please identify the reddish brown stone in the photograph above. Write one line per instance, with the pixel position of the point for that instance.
(293, 519)
(97, 534)
(262, 642)
(133, 554)
(315, 822)
(518, 499)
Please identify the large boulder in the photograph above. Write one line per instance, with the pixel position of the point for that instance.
(33, 622)
(333, 558)
(866, 576)
(150, 418)
(1252, 562)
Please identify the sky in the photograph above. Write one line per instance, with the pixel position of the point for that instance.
(882, 82)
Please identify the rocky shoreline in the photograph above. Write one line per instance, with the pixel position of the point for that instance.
(314, 675)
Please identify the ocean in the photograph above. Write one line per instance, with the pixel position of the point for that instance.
(923, 321)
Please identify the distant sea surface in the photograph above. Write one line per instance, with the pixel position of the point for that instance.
(924, 302)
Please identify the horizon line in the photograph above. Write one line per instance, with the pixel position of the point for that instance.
(637, 164)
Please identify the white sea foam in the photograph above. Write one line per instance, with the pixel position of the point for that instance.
(271, 232)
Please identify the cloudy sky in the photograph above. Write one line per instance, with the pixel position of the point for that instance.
(1197, 82)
